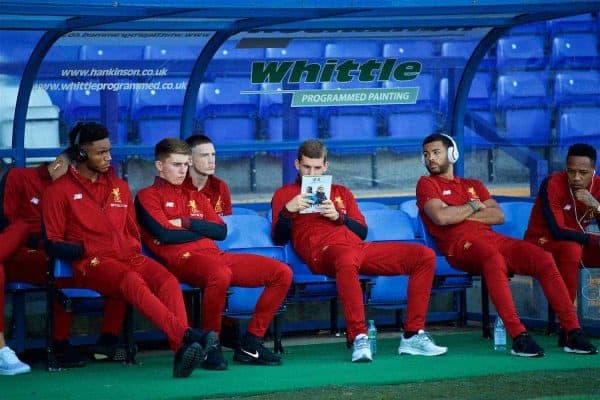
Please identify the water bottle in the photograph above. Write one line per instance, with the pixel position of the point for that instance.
(372, 334)
(499, 335)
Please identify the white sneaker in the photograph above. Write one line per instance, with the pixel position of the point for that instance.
(420, 344)
(10, 364)
(361, 350)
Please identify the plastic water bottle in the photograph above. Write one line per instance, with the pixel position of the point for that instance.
(372, 334)
(499, 335)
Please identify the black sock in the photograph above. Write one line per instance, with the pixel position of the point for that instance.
(409, 334)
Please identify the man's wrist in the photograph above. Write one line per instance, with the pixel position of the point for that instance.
(597, 209)
(473, 206)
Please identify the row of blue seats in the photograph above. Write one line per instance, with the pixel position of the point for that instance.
(221, 106)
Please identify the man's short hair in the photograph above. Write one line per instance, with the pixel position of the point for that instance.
(438, 136)
(87, 132)
(168, 146)
(312, 148)
(197, 140)
(582, 150)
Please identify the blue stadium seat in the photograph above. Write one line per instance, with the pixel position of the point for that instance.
(480, 103)
(388, 292)
(522, 98)
(310, 287)
(448, 278)
(413, 121)
(271, 114)
(577, 125)
(70, 297)
(533, 28)
(520, 52)
(84, 105)
(387, 224)
(516, 218)
(574, 88)
(413, 49)
(158, 111)
(298, 49)
(575, 50)
(111, 52)
(243, 211)
(370, 205)
(230, 51)
(464, 49)
(171, 52)
(410, 208)
(233, 61)
(225, 114)
(575, 23)
(351, 122)
(247, 233)
(250, 234)
(18, 339)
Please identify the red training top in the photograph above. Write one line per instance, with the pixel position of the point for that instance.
(98, 215)
(455, 192)
(312, 232)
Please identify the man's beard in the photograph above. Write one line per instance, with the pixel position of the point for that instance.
(443, 168)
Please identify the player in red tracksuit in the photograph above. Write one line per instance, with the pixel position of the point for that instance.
(565, 217)
(89, 218)
(180, 226)
(331, 243)
(201, 177)
(458, 213)
(25, 260)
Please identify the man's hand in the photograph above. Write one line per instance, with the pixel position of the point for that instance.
(479, 204)
(584, 196)
(176, 222)
(298, 203)
(328, 210)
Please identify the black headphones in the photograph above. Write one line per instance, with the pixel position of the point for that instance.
(80, 152)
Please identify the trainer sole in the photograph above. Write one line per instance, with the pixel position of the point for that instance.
(191, 356)
(421, 353)
(514, 353)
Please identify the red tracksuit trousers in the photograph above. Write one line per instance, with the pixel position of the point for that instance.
(214, 271)
(144, 283)
(22, 264)
(345, 263)
(495, 256)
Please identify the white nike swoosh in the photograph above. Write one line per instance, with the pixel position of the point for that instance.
(253, 355)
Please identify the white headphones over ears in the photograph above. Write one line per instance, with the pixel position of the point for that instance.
(453, 153)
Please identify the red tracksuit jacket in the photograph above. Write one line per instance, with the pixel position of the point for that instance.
(163, 202)
(455, 192)
(98, 215)
(217, 192)
(23, 193)
(553, 214)
(311, 232)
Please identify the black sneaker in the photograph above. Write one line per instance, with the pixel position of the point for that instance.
(186, 359)
(67, 356)
(214, 359)
(252, 351)
(108, 348)
(230, 336)
(524, 346)
(578, 343)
